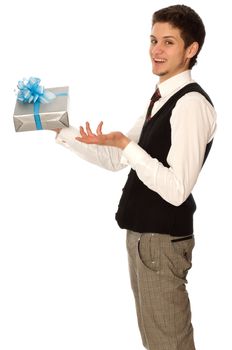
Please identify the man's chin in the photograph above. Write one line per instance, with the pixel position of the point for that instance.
(159, 74)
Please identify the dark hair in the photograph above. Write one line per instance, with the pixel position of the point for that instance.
(187, 21)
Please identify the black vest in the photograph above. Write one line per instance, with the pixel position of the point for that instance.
(143, 210)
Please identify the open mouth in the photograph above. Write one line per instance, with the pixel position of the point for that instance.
(159, 60)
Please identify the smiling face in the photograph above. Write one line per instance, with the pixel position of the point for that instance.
(168, 54)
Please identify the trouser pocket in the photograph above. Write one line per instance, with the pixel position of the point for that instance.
(185, 238)
(181, 252)
(149, 251)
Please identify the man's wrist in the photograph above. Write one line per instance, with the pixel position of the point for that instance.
(124, 142)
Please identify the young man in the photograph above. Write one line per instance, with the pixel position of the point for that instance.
(165, 150)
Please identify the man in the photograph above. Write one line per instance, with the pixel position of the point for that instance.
(165, 150)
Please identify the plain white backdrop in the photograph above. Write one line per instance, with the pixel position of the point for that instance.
(64, 281)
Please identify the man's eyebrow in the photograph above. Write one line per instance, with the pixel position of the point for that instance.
(164, 37)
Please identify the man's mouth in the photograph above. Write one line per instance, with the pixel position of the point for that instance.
(159, 60)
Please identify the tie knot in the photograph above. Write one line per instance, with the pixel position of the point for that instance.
(156, 96)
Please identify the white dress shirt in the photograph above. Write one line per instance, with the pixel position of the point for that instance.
(193, 125)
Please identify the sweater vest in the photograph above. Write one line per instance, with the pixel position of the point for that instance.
(142, 210)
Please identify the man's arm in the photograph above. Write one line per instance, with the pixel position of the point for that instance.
(193, 124)
(107, 157)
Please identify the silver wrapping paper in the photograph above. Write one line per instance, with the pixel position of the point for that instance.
(53, 115)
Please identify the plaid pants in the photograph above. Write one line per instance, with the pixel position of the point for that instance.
(158, 265)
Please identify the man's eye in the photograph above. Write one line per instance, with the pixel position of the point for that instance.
(167, 42)
(153, 41)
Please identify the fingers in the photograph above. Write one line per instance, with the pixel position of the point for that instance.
(87, 136)
(57, 130)
(82, 132)
(88, 132)
(88, 129)
(99, 128)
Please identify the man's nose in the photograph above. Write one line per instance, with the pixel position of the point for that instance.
(158, 48)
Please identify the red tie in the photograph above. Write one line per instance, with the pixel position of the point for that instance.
(155, 97)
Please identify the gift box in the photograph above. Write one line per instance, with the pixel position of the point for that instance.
(38, 116)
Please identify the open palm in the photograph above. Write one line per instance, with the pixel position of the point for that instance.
(115, 138)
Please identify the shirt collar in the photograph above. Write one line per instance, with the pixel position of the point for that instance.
(174, 83)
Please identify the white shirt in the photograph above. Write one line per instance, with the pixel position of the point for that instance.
(193, 125)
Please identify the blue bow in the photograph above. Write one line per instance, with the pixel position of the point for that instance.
(30, 91)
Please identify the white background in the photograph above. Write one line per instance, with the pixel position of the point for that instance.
(64, 280)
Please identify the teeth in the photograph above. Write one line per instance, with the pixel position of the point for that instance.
(159, 60)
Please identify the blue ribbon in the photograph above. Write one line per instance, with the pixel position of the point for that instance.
(30, 91)
(37, 119)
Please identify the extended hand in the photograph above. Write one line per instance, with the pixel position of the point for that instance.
(116, 138)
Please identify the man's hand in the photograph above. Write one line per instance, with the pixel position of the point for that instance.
(116, 138)
(57, 130)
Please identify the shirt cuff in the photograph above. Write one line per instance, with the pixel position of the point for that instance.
(66, 135)
(133, 154)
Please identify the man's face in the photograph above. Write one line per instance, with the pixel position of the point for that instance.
(167, 52)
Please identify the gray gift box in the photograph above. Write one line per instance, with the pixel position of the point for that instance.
(52, 115)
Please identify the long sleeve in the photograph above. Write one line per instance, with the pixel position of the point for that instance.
(103, 156)
(193, 124)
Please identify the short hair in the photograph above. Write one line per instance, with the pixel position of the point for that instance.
(187, 21)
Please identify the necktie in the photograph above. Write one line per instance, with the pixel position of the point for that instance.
(155, 97)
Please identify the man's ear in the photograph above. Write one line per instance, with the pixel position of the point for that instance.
(192, 49)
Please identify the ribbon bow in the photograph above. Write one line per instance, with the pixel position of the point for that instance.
(30, 91)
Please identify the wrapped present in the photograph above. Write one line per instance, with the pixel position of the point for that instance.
(38, 108)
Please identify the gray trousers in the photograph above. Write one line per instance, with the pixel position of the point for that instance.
(158, 265)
